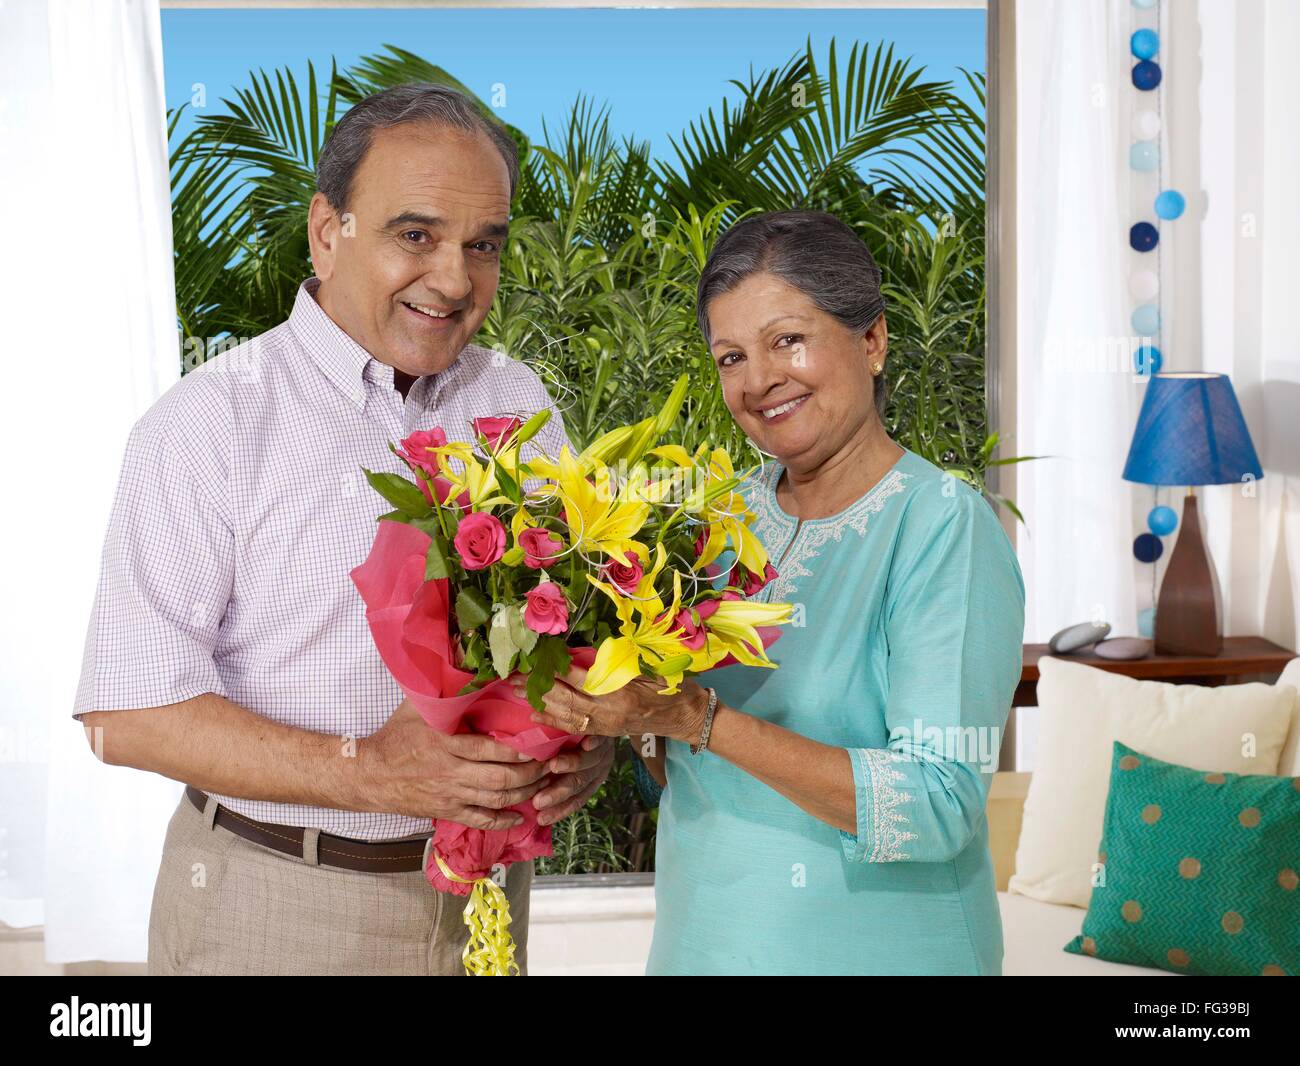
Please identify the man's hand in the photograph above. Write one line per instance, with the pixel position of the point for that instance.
(408, 768)
(581, 772)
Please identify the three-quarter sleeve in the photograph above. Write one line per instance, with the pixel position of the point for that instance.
(166, 577)
(954, 623)
(650, 790)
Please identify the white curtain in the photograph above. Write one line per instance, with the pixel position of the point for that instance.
(1076, 396)
(89, 340)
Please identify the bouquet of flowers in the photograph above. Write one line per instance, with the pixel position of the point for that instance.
(492, 568)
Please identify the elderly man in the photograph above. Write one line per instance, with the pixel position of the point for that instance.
(228, 648)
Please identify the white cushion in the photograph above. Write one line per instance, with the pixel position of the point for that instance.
(1289, 765)
(1035, 935)
(1082, 711)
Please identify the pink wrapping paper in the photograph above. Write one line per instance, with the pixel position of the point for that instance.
(409, 620)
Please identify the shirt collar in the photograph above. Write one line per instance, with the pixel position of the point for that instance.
(348, 365)
(339, 357)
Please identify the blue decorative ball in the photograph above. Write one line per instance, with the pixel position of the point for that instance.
(1145, 43)
(1144, 155)
(1146, 323)
(1162, 520)
(1146, 75)
(1147, 548)
(1170, 204)
(1147, 622)
(1147, 359)
(1143, 237)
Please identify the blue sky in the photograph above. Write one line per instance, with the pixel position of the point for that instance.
(656, 69)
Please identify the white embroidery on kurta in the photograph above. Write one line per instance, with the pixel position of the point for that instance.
(889, 827)
(770, 522)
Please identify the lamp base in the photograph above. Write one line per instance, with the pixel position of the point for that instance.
(1187, 612)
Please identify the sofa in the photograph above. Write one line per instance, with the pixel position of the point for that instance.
(1035, 932)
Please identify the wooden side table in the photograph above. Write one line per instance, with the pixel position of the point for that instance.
(1242, 657)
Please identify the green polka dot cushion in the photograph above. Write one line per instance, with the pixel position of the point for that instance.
(1197, 872)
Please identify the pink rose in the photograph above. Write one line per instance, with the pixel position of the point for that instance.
(694, 634)
(540, 547)
(546, 610)
(701, 539)
(622, 576)
(415, 449)
(751, 584)
(480, 540)
(495, 430)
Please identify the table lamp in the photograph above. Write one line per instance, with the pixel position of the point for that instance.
(1190, 432)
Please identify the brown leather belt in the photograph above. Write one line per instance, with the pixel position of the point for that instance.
(382, 856)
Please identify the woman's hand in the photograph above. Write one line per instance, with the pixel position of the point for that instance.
(637, 709)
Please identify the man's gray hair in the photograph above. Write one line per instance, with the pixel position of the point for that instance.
(347, 143)
(814, 252)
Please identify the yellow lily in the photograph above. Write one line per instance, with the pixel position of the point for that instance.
(649, 634)
(725, 516)
(733, 629)
(479, 481)
(599, 518)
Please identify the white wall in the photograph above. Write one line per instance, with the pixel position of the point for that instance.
(1230, 299)
(1248, 104)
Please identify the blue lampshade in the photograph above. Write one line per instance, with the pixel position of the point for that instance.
(1190, 431)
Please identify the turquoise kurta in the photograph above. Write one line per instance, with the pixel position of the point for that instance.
(906, 651)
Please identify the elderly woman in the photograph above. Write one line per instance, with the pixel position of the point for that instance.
(827, 817)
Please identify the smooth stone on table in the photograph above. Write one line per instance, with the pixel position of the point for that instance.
(1170, 204)
(1123, 648)
(1162, 520)
(1147, 622)
(1144, 43)
(1146, 75)
(1147, 548)
(1144, 155)
(1146, 125)
(1147, 359)
(1143, 236)
(1146, 320)
(1143, 285)
(1074, 637)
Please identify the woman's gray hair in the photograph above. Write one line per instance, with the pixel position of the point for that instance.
(348, 142)
(814, 252)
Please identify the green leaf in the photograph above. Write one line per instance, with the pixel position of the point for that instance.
(509, 486)
(395, 516)
(399, 492)
(437, 563)
(514, 556)
(550, 658)
(474, 649)
(507, 636)
(472, 609)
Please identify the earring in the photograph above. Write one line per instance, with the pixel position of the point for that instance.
(876, 368)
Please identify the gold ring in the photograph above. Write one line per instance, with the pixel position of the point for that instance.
(586, 720)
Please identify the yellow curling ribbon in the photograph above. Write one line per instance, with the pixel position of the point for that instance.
(490, 950)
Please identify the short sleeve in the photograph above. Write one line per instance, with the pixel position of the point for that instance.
(166, 576)
(954, 624)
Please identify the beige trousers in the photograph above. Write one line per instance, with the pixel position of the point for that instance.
(224, 905)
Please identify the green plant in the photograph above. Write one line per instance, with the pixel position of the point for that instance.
(598, 282)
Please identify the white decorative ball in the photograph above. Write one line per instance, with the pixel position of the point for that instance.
(1143, 285)
(1146, 125)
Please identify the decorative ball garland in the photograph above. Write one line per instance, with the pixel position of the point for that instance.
(1144, 284)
